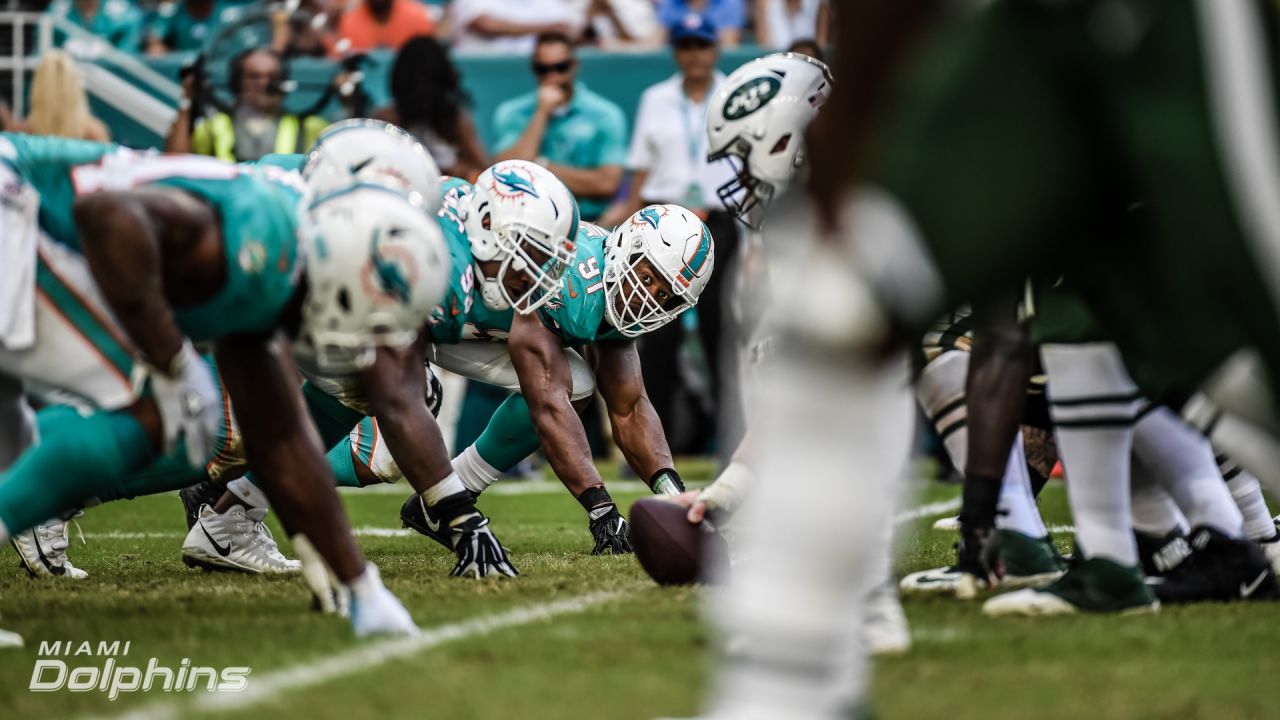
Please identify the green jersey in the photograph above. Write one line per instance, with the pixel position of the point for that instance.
(577, 313)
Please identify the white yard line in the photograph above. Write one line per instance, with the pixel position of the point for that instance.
(266, 686)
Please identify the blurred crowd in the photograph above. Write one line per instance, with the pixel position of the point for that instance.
(612, 166)
(335, 27)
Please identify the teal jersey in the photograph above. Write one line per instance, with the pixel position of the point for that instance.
(284, 161)
(47, 164)
(260, 210)
(577, 313)
(173, 25)
(450, 317)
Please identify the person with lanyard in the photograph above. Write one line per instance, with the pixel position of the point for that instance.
(668, 164)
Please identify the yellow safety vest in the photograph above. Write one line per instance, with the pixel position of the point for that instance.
(222, 134)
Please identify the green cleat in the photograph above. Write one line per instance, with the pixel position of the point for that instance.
(1094, 585)
(1028, 562)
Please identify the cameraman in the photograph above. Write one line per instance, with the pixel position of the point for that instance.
(257, 124)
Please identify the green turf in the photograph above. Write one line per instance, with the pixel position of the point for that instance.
(642, 655)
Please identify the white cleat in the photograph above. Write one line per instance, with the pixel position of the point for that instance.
(375, 610)
(43, 550)
(10, 639)
(236, 540)
(884, 629)
(1028, 602)
(943, 581)
(950, 524)
(1271, 548)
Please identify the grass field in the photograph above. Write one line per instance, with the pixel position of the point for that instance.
(620, 647)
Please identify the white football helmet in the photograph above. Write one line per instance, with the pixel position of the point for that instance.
(377, 265)
(678, 246)
(757, 120)
(522, 216)
(364, 150)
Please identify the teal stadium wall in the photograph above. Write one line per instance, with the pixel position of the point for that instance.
(490, 80)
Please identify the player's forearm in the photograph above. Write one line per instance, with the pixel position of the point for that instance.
(1000, 366)
(638, 433)
(529, 145)
(416, 443)
(122, 248)
(598, 182)
(564, 442)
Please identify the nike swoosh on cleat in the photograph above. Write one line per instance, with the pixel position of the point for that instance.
(1247, 589)
(44, 560)
(221, 550)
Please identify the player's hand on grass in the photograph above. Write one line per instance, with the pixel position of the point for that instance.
(190, 404)
(479, 552)
(611, 531)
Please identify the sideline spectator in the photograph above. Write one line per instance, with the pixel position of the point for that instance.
(573, 132)
(383, 24)
(779, 23)
(510, 26)
(728, 16)
(117, 22)
(59, 105)
(430, 103)
(257, 125)
(808, 47)
(187, 25)
(668, 160)
(622, 24)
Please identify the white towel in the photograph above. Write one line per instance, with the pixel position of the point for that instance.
(19, 230)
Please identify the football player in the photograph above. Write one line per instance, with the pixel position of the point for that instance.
(622, 284)
(528, 229)
(137, 257)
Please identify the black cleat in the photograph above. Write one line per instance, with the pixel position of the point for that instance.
(1219, 569)
(205, 492)
(415, 515)
(1160, 555)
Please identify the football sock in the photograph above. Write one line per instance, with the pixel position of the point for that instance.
(451, 485)
(249, 494)
(1181, 459)
(940, 390)
(1094, 403)
(1154, 512)
(1018, 509)
(475, 473)
(1247, 494)
(510, 436)
(1248, 444)
(342, 464)
(79, 458)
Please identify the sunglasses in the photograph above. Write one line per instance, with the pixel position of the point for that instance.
(694, 44)
(561, 67)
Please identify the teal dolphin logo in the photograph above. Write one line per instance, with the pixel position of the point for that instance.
(390, 274)
(650, 216)
(514, 182)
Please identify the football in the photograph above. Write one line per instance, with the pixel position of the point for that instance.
(671, 549)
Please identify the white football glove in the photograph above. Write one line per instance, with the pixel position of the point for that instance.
(190, 404)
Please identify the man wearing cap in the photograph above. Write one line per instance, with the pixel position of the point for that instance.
(578, 135)
(668, 161)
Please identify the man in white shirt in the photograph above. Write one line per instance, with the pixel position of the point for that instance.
(668, 162)
(508, 27)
